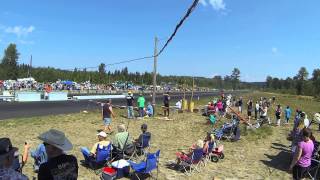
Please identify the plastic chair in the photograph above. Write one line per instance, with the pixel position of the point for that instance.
(146, 167)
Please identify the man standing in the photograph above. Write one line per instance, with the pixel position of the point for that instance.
(59, 165)
(107, 112)
(130, 101)
(141, 101)
(166, 102)
(240, 103)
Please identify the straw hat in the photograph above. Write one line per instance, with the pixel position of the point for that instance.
(56, 138)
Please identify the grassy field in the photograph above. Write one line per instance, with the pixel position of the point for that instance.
(260, 154)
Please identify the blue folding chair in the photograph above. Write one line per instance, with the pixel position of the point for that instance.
(147, 166)
(103, 154)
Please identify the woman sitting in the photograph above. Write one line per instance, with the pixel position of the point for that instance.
(187, 157)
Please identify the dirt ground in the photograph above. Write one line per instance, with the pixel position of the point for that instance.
(257, 155)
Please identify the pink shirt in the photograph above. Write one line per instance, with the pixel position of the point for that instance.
(307, 149)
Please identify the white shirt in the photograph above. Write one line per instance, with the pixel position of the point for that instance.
(306, 122)
(178, 105)
(257, 106)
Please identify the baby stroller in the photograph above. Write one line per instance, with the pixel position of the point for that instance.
(228, 130)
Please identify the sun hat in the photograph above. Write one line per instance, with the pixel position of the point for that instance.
(56, 138)
(6, 147)
(102, 134)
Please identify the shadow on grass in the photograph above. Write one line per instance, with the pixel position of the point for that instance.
(282, 160)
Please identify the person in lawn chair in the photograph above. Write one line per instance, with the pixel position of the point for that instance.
(144, 139)
(91, 155)
(183, 156)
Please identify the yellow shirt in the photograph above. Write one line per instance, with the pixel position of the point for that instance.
(94, 147)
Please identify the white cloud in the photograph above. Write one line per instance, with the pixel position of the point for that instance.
(20, 30)
(218, 5)
(203, 2)
(274, 50)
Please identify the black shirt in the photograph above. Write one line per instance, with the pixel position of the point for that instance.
(63, 167)
(130, 100)
(106, 111)
(166, 98)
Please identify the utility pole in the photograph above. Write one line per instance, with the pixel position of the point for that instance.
(154, 75)
(30, 66)
(192, 89)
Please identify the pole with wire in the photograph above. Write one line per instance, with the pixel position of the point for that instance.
(154, 75)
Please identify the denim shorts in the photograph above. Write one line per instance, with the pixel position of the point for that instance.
(107, 121)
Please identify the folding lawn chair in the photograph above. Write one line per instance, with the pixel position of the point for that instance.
(103, 155)
(146, 167)
(194, 163)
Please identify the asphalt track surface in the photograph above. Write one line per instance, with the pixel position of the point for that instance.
(10, 110)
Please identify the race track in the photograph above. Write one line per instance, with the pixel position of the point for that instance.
(10, 110)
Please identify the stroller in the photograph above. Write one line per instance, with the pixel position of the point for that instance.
(229, 131)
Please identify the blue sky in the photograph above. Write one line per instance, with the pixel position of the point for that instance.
(274, 37)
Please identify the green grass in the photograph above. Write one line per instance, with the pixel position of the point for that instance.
(243, 158)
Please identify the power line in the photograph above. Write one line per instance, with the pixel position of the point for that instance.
(189, 11)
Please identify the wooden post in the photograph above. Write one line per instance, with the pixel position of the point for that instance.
(154, 75)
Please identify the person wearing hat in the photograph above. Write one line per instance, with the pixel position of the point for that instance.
(130, 101)
(102, 141)
(59, 165)
(145, 135)
(7, 159)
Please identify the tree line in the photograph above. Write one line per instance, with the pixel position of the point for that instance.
(11, 69)
(300, 84)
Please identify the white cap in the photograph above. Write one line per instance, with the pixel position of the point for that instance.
(102, 134)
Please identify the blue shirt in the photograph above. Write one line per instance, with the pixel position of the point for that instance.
(287, 111)
(150, 109)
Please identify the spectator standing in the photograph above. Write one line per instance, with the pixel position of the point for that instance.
(240, 103)
(256, 110)
(107, 113)
(130, 101)
(302, 157)
(249, 109)
(287, 113)
(278, 115)
(141, 101)
(166, 102)
(59, 165)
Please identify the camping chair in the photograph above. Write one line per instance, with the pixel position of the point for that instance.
(146, 167)
(192, 164)
(103, 154)
(313, 171)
